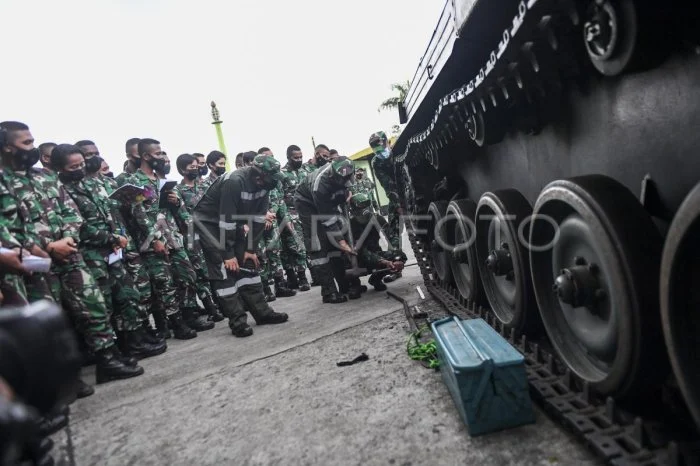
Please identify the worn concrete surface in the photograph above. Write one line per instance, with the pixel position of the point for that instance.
(278, 398)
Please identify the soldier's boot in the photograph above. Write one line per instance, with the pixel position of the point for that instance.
(281, 288)
(232, 308)
(132, 344)
(195, 321)
(392, 277)
(84, 389)
(354, 289)
(301, 279)
(329, 292)
(292, 281)
(213, 310)
(253, 300)
(109, 367)
(151, 335)
(376, 281)
(267, 292)
(128, 360)
(162, 324)
(180, 329)
(314, 276)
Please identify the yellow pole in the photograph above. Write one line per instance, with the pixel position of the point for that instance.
(219, 132)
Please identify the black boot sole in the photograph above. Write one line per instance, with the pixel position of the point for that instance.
(189, 336)
(100, 379)
(304, 287)
(148, 354)
(242, 333)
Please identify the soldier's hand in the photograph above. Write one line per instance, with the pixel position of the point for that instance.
(123, 242)
(37, 251)
(270, 216)
(62, 249)
(396, 266)
(231, 264)
(159, 247)
(268, 225)
(172, 199)
(345, 247)
(251, 256)
(10, 263)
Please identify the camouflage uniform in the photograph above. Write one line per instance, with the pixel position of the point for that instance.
(145, 229)
(181, 275)
(365, 186)
(54, 216)
(271, 245)
(384, 171)
(99, 235)
(294, 251)
(132, 262)
(190, 195)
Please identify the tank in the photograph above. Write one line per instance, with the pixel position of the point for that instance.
(549, 166)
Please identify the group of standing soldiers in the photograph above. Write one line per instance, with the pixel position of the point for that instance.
(120, 259)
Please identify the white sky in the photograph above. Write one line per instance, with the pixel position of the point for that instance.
(280, 71)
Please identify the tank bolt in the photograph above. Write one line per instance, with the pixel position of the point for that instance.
(565, 288)
(593, 268)
(579, 260)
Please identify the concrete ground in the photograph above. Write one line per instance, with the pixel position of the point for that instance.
(278, 398)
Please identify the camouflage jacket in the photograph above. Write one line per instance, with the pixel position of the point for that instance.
(292, 178)
(99, 234)
(152, 222)
(364, 186)
(103, 187)
(16, 228)
(278, 205)
(52, 212)
(384, 171)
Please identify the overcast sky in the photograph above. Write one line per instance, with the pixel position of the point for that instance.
(280, 71)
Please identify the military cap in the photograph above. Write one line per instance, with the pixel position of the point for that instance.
(342, 166)
(360, 201)
(378, 139)
(269, 166)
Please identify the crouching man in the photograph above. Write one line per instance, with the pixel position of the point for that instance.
(365, 231)
(236, 200)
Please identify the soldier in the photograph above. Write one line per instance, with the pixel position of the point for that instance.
(364, 185)
(238, 198)
(147, 222)
(45, 157)
(239, 160)
(133, 160)
(384, 171)
(293, 250)
(369, 252)
(216, 162)
(183, 273)
(56, 222)
(99, 238)
(201, 165)
(317, 200)
(271, 244)
(190, 192)
(105, 170)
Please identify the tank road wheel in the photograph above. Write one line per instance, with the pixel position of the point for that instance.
(463, 261)
(680, 299)
(594, 254)
(504, 264)
(441, 234)
(624, 35)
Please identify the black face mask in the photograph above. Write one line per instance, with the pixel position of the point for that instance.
(27, 158)
(358, 176)
(166, 169)
(93, 164)
(157, 165)
(219, 170)
(72, 176)
(203, 171)
(192, 174)
(320, 161)
(269, 183)
(295, 164)
(108, 174)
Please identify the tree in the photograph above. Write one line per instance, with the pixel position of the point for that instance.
(393, 102)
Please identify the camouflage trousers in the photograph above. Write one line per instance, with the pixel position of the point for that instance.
(14, 292)
(83, 301)
(392, 229)
(118, 290)
(185, 278)
(164, 291)
(202, 276)
(134, 266)
(293, 252)
(269, 256)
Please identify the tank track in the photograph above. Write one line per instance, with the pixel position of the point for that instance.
(614, 434)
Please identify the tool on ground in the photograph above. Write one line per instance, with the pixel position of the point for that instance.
(406, 309)
(389, 270)
(355, 270)
(360, 358)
